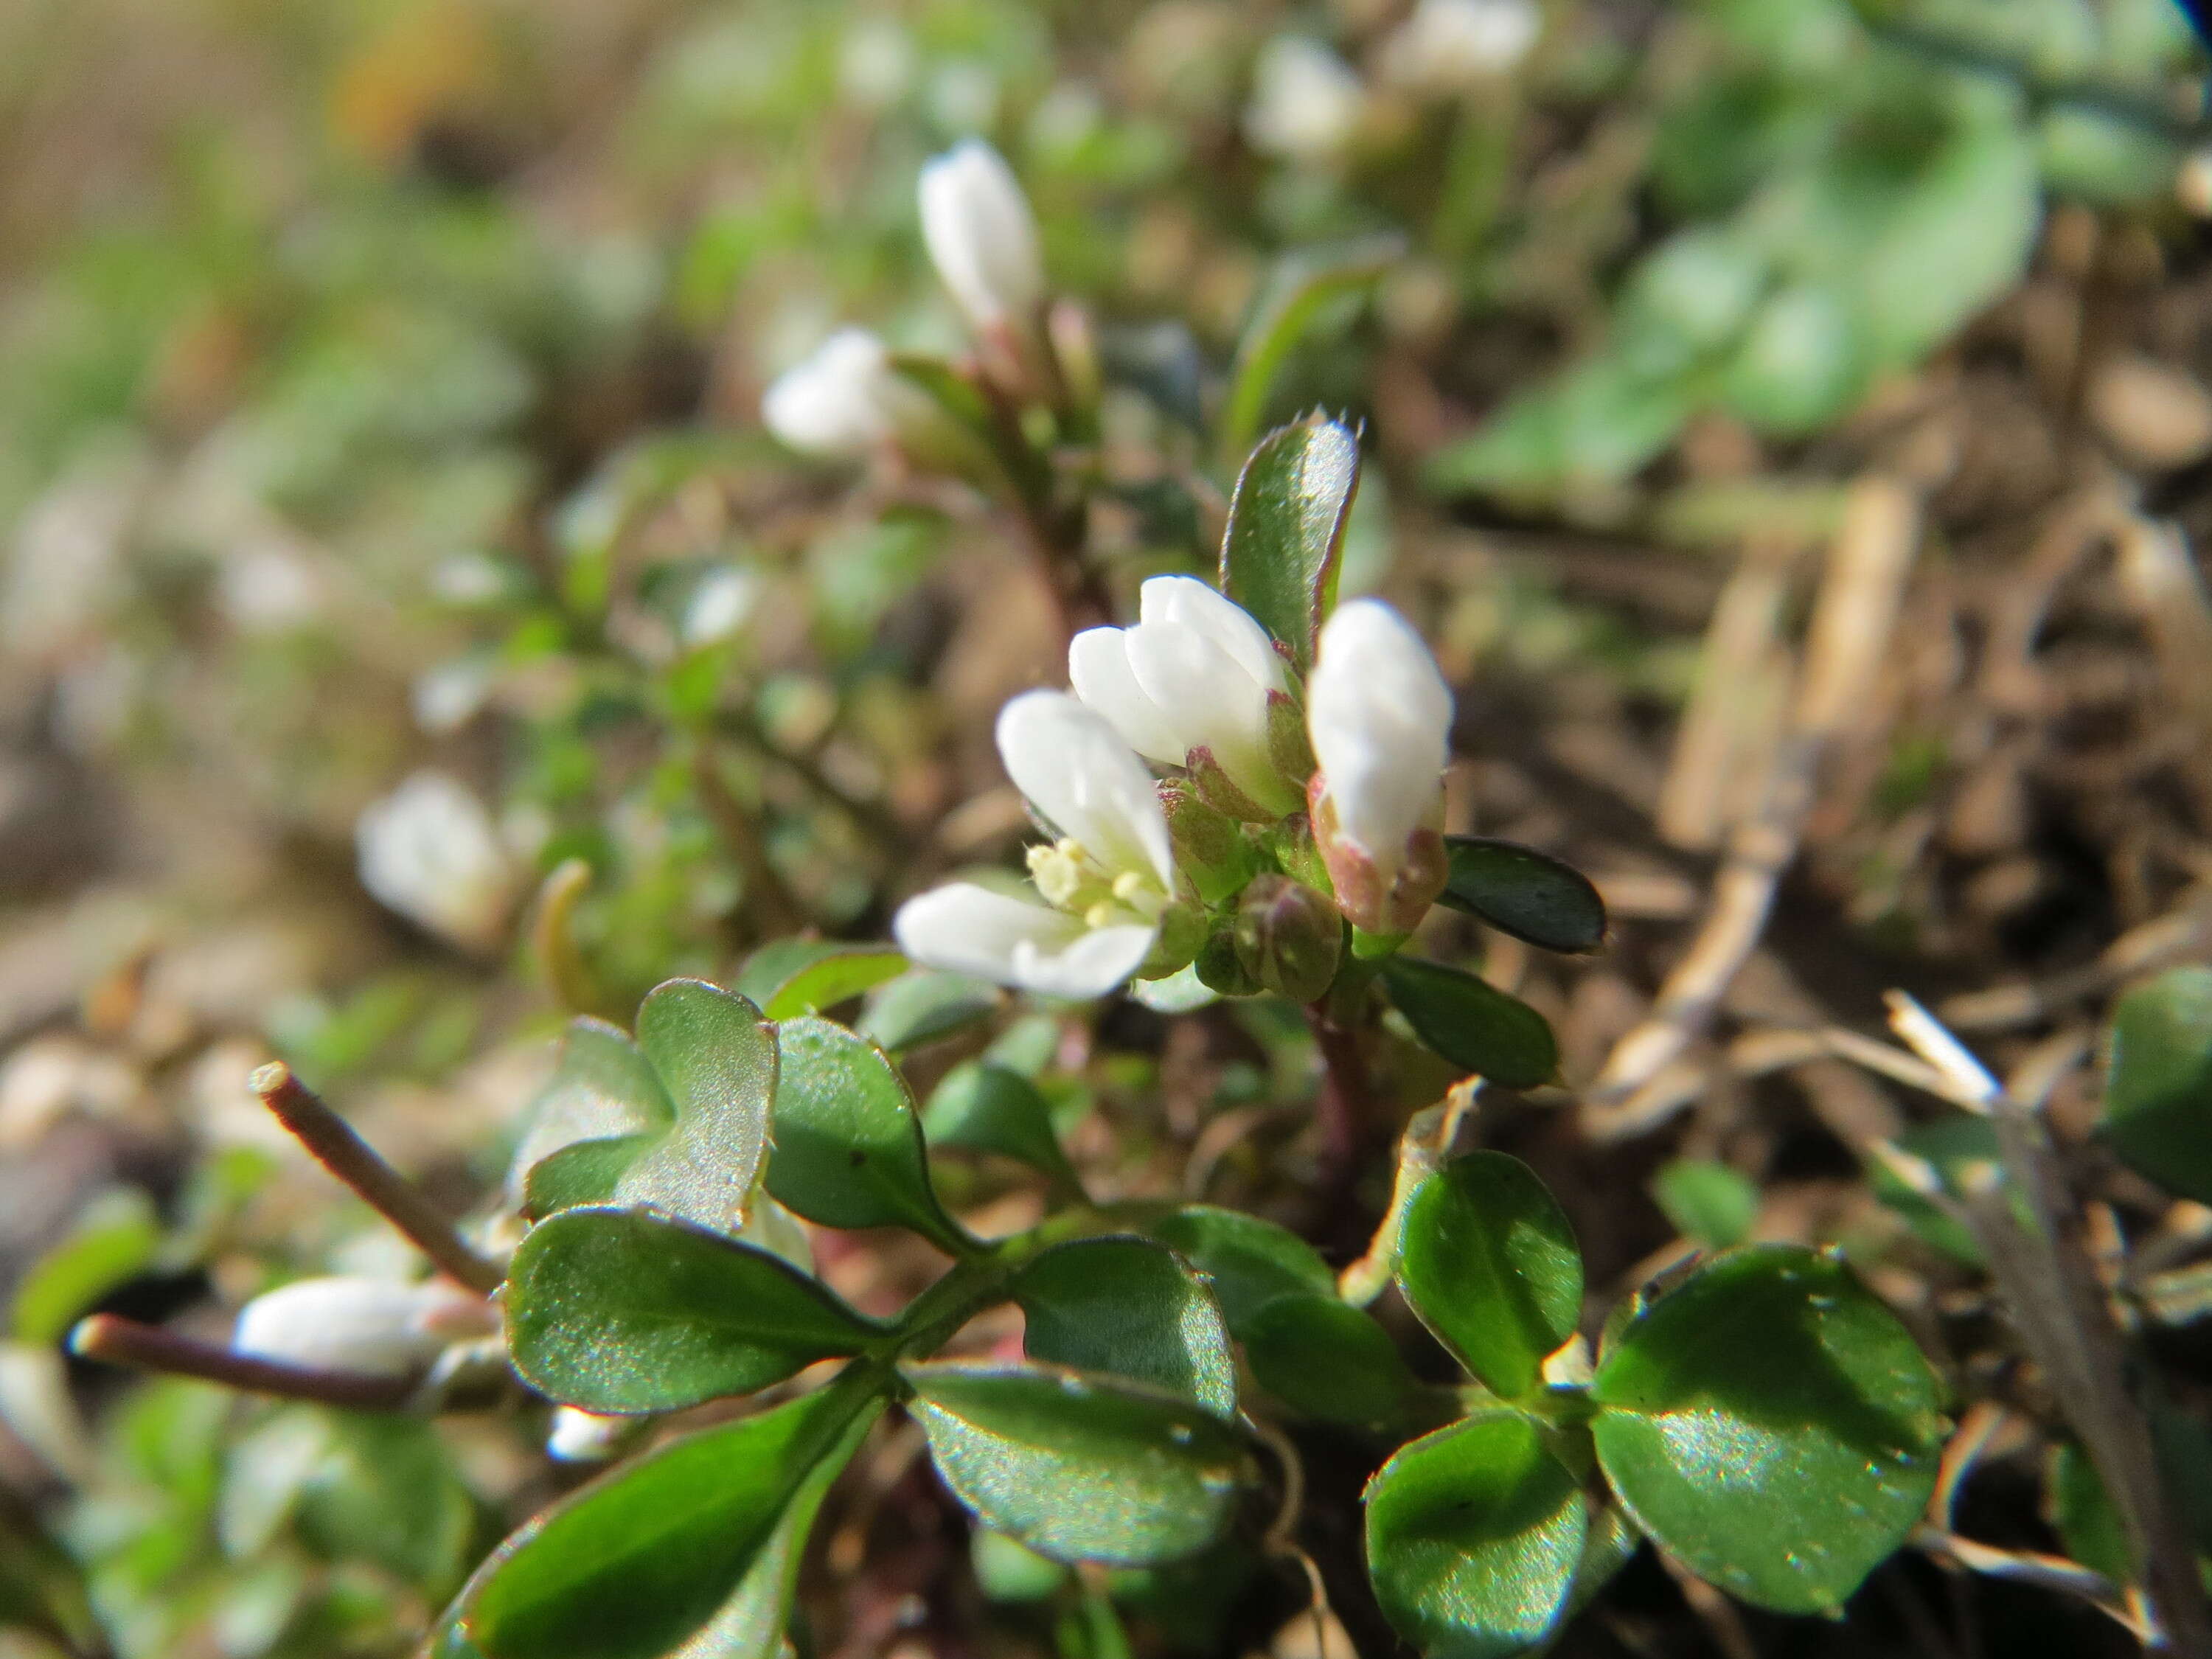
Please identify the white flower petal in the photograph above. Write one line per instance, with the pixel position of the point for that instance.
(973, 930)
(1215, 701)
(1069, 762)
(1379, 715)
(1200, 606)
(378, 1327)
(846, 399)
(1306, 100)
(1098, 669)
(428, 850)
(982, 236)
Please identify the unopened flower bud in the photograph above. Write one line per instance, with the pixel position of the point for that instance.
(982, 237)
(1209, 848)
(1379, 715)
(1220, 970)
(428, 851)
(375, 1326)
(846, 400)
(1288, 937)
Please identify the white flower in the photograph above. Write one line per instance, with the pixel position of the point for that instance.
(1195, 673)
(375, 1326)
(428, 851)
(982, 236)
(1306, 100)
(722, 604)
(1379, 715)
(846, 400)
(1107, 881)
(1447, 45)
(581, 1436)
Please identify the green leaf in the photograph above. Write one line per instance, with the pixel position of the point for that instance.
(1248, 1261)
(849, 1146)
(1128, 1307)
(1951, 1144)
(1472, 1023)
(2158, 1081)
(716, 1057)
(1079, 1467)
(1328, 1360)
(753, 1622)
(1708, 1203)
(803, 975)
(586, 1172)
(1301, 288)
(1773, 1424)
(1488, 1261)
(1474, 1533)
(1007, 1570)
(386, 1490)
(2082, 1511)
(1523, 892)
(602, 1087)
(923, 1004)
(114, 1239)
(619, 1310)
(982, 1107)
(1287, 522)
(1595, 425)
(640, 1559)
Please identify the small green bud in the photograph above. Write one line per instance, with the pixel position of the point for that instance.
(1220, 970)
(1288, 937)
(1183, 931)
(1210, 848)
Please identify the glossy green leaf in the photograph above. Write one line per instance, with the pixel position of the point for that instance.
(602, 1087)
(1301, 289)
(1472, 1023)
(2158, 1081)
(923, 1004)
(1327, 1359)
(584, 1172)
(1248, 1260)
(1279, 559)
(716, 1057)
(115, 1239)
(1130, 1307)
(753, 1622)
(848, 1145)
(1488, 1261)
(622, 1310)
(804, 976)
(1474, 1536)
(1080, 1467)
(982, 1107)
(1523, 892)
(643, 1558)
(1708, 1203)
(1773, 1424)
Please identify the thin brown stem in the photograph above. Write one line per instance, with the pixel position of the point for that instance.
(355, 1162)
(119, 1341)
(1054, 534)
(1345, 1111)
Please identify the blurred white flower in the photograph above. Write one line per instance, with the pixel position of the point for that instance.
(1306, 100)
(448, 696)
(846, 400)
(1449, 45)
(1379, 715)
(428, 851)
(1107, 881)
(982, 237)
(723, 601)
(876, 62)
(1195, 673)
(581, 1436)
(375, 1326)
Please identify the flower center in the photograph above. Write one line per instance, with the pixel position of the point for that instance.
(1071, 879)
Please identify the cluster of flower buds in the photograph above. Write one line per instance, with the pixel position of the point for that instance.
(849, 399)
(1286, 811)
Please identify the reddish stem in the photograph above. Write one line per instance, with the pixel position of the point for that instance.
(120, 1341)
